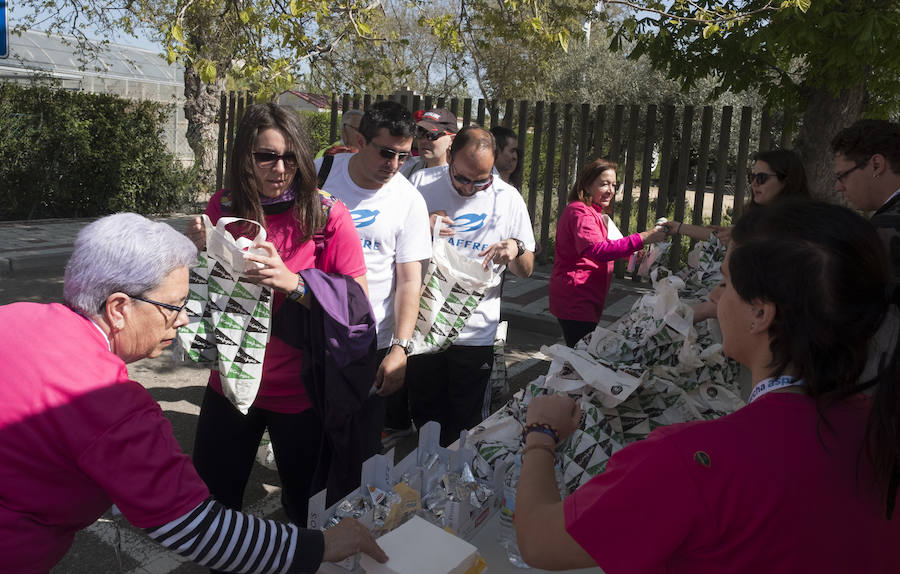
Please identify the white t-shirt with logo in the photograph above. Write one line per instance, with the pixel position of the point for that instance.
(479, 221)
(392, 223)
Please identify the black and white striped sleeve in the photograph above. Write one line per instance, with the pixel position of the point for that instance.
(223, 539)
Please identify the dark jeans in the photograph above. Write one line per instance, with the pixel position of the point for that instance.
(574, 331)
(450, 387)
(226, 444)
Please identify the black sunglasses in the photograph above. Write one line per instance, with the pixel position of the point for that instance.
(176, 308)
(477, 185)
(388, 153)
(269, 159)
(433, 136)
(761, 177)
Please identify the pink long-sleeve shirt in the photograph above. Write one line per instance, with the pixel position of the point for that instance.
(583, 265)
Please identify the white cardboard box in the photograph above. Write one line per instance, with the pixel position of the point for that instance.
(419, 547)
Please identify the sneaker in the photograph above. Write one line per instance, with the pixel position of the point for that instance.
(390, 437)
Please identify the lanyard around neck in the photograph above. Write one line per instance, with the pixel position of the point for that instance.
(773, 384)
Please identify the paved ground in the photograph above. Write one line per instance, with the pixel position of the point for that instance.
(32, 259)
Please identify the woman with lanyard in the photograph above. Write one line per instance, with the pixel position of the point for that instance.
(802, 479)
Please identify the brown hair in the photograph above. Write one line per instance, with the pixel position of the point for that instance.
(242, 182)
(588, 174)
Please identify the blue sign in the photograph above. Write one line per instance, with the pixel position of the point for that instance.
(4, 31)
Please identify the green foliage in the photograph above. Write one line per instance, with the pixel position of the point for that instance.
(71, 154)
(317, 127)
(785, 54)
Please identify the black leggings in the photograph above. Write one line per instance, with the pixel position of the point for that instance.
(226, 444)
(574, 331)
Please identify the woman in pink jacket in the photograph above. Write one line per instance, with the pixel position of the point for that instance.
(583, 265)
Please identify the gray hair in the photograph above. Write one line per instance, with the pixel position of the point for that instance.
(126, 253)
(350, 114)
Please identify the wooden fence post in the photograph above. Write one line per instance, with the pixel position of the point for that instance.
(722, 166)
(549, 169)
(647, 168)
(519, 173)
(743, 154)
(535, 160)
(220, 148)
(702, 167)
(662, 192)
(684, 168)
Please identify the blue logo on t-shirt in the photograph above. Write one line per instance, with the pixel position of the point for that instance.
(469, 222)
(364, 217)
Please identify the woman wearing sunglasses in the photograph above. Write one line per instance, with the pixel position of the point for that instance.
(802, 479)
(272, 180)
(776, 173)
(583, 265)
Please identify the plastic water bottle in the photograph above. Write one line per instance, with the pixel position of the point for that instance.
(507, 511)
(507, 528)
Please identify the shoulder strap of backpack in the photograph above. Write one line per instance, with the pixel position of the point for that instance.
(326, 201)
(324, 169)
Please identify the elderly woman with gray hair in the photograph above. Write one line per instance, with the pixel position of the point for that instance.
(77, 435)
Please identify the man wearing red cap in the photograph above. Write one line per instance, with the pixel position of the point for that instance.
(434, 134)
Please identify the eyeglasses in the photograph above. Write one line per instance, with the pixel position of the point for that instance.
(842, 174)
(388, 153)
(433, 136)
(176, 308)
(761, 177)
(477, 185)
(269, 159)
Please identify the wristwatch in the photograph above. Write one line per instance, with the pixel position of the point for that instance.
(300, 291)
(404, 344)
(521, 245)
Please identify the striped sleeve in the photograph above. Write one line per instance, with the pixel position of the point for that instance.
(223, 539)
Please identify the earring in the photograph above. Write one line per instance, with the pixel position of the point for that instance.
(753, 325)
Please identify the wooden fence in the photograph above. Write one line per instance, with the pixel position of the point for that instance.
(684, 163)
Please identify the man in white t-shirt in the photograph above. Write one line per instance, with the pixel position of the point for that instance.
(392, 222)
(486, 219)
(434, 134)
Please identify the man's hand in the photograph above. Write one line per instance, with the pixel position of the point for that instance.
(348, 538)
(500, 253)
(391, 372)
(446, 222)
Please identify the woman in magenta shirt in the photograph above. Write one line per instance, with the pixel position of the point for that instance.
(273, 181)
(802, 479)
(583, 265)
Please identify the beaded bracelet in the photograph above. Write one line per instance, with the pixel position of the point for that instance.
(541, 428)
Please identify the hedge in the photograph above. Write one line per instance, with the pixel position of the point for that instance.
(73, 154)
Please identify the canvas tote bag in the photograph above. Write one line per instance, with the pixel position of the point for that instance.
(229, 317)
(453, 287)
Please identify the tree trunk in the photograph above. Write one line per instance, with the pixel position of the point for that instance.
(201, 110)
(826, 114)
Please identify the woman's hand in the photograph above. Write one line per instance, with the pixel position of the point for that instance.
(196, 233)
(655, 235)
(558, 411)
(723, 233)
(271, 272)
(349, 537)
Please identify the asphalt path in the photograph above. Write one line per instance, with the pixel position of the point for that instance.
(111, 545)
